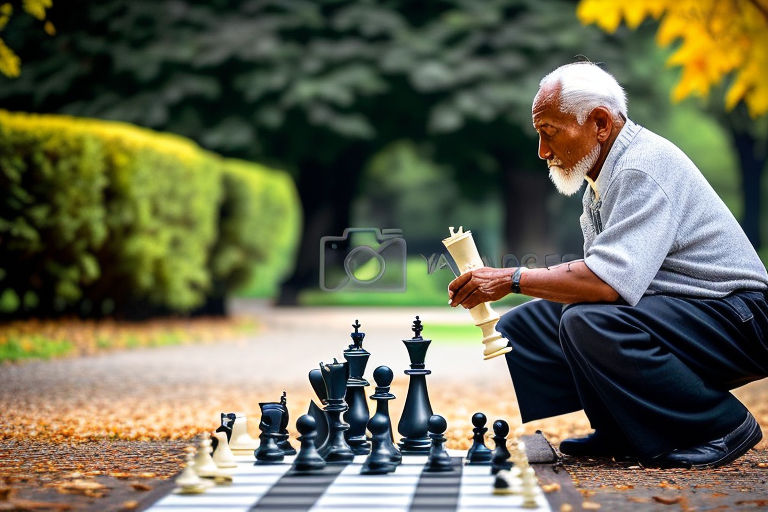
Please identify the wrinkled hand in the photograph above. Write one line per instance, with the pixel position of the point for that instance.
(484, 284)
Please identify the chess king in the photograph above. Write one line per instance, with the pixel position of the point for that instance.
(666, 313)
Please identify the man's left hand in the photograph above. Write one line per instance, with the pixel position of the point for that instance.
(484, 284)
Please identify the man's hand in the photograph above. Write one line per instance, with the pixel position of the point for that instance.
(484, 284)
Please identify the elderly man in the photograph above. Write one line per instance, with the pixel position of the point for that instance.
(666, 312)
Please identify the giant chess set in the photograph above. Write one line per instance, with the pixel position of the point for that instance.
(339, 467)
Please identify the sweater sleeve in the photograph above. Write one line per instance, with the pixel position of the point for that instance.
(637, 234)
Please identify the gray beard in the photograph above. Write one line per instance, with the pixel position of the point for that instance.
(568, 181)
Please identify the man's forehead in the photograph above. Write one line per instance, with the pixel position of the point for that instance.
(546, 103)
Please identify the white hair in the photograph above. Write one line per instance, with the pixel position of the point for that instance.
(584, 86)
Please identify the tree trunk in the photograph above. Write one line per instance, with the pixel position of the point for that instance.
(525, 202)
(751, 164)
(326, 191)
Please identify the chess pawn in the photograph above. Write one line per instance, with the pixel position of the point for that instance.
(188, 481)
(503, 483)
(205, 467)
(383, 377)
(336, 450)
(379, 461)
(308, 459)
(500, 458)
(357, 413)
(222, 455)
(479, 454)
(463, 250)
(438, 460)
(528, 486)
(417, 410)
(268, 452)
(241, 443)
(520, 456)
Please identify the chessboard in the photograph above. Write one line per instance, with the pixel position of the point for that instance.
(338, 487)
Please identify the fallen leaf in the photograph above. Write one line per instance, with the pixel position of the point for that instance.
(638, 499)
(668, 500)
(550, 487)
(129, 505)
(137, 486)
(565, 507)
(757, 503)
(590, 505)
(623, 487)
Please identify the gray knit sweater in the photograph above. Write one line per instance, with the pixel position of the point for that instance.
(659, 227)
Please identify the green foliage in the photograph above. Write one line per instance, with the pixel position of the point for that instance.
(101, 216)
(33, 347)
(259, 222)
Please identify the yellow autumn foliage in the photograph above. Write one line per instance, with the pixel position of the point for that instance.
(10, 63)
(717, 38)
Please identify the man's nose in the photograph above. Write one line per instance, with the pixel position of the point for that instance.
(544, 152)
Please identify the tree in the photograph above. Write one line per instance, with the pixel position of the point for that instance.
(719, 39)
(10, 64)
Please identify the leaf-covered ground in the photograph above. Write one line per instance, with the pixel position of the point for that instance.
(102, 431)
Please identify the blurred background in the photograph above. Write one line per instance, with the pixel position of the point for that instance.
(188, 152)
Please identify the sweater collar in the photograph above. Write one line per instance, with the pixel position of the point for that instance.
(627, 133)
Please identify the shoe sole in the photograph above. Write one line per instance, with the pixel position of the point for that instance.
(754, 437)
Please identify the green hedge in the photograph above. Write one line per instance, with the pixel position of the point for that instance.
(99, 217)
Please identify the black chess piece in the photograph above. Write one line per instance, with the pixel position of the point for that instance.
(316, 380)
(308, 459)
(227, 420)
(479, 454)
(336, 450)
(414, 421)
(357, 414)
(379, 460)
(438, 460)
(283, 438)
(500, 459)
(268, 452)
(383, 377)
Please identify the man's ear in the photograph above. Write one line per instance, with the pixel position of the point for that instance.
(603, 122)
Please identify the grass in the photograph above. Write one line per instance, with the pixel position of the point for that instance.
(46, 339)
(17, 348)
(453, 333)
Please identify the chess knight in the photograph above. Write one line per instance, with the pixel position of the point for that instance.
(664, 315)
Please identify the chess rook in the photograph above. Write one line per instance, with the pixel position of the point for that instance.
(478, 453)
(383, 378)
(463, 250)
(308, 459)
(413, 425)
(357, 414)
(336, 450)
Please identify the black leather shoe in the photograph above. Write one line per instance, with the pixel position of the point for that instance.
(596, 444)
(716, 452)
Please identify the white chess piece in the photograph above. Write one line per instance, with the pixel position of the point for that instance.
(528, 485)
(504, 483)
(204, 465)
(188, 481)
(223, 456)
(463, 250)
(241, 443)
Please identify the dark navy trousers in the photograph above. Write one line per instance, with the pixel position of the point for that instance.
(658, 373)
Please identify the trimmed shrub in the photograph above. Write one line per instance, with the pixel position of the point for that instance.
(259, 223)
(99, 217)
